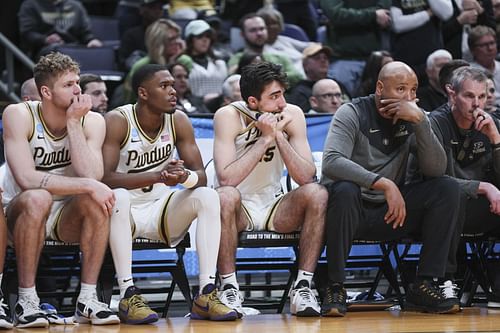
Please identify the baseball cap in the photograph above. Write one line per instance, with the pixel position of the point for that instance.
(195, 28)
(314, 49)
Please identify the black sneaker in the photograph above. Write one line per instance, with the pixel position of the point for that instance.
(5, 321)
(427, 297)
(335, 301)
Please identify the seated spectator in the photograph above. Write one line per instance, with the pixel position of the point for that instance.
(95, 87)
(132, 44)
(490, 105)
(127, 14)
(279, 44)
(315, 62)
(326, 97)
(206, 73)
(29, 91)
(231, 89)
(375, 62)
(164, 45)
(186, 101)
(483, 45)
(45, 24)
(432, 96)
(254, 32)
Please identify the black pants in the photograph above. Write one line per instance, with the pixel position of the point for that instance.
(475, 218)
(431, 214)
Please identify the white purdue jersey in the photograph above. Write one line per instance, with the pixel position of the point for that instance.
(140, 153)
(51, 154)
(265, 177)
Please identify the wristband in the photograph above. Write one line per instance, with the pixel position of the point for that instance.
(191, 180)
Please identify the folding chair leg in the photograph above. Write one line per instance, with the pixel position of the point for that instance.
(286, 292)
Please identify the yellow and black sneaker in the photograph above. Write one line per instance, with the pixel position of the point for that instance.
(207, 305)
(134, 309)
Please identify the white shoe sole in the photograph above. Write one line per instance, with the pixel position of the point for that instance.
(97, 321)
(39, 322)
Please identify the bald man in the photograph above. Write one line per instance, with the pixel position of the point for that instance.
(364, 166)
(326, 97)
(29, 91)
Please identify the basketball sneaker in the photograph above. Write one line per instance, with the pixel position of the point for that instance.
(28, 313)
(425, 296)
(94, 312)
(5, 321)
(303, 303)
(232, 298)
(134, 309)
(335, 301)
(207, 305)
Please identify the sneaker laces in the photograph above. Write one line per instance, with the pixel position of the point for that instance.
(449, 289)
(138, 301)
(232, 297)
(94, 305)
(335, 296)
(30, 305)
(431, 290)
(306, 294)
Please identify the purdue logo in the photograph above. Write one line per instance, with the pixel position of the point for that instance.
(51, 160)
(158, 154)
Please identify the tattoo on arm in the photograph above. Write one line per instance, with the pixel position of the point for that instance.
(45, 181)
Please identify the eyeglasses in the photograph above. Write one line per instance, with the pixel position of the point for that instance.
(491, 90)
(486, 44)
(330, 95)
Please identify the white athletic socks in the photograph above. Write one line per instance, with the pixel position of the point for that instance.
(87, 291)
(303, 275)
(226, 279)
(123, 284)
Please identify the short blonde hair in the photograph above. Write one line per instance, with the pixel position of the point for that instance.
(50, 67)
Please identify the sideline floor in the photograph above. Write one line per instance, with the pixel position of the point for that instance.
(469, 320)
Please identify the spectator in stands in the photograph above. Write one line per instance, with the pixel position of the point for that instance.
(315, 62)
(139, 159)
(206, 72)
(496, 13)
(490, 105)
(186, 102)
(354, 31)
(249, 156)
(326, 97)
(231, 89)
(471, 140)
(364, 165)
(190, 9)
(29, 91)
(127, 14)
(369, 78)
(52, 189)
(432, 96)
(254, 31)
(95, 87)
(417, 31)
(466, 14)
(280, 44)
(45, 24)
(132, 44)
(164, 45)
(483, 45)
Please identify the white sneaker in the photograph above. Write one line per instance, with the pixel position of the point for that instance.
(303, 303)
(28, 313)
(233, 299)
(5, 321)
(449, 289)
(94, 312)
